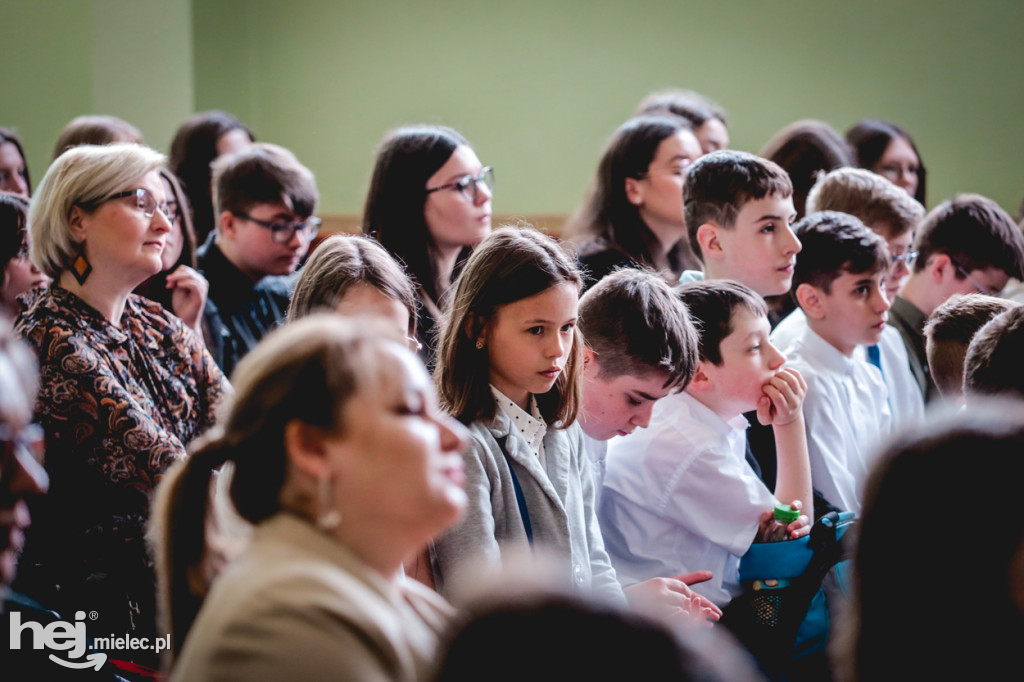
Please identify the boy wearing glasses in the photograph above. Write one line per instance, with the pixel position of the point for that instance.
(893, 215)
(264, 201)
(965, 245)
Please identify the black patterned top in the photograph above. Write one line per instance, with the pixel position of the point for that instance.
(118, 406)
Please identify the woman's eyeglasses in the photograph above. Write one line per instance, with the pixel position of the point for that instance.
(469, 186)
(144, 200)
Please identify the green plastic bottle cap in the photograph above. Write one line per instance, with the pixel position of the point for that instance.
(786, 514)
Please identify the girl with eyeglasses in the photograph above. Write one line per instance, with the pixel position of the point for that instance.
(429, 205)
(125, 385)
(887, 149)
(633, 212)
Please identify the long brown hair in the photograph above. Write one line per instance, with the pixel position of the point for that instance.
(512, 263)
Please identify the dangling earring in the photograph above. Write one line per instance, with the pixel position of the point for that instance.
(80, 265)
(327, 517)
(479, 344)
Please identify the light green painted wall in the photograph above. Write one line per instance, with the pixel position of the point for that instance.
(539, 85)
(64, 58)
(536, 85)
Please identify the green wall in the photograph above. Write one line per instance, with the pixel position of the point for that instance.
(65, 58)
(536, 85)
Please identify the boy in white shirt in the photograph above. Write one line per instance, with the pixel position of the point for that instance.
(839, 283)
(680, 496)
(894, 215)
(640, 346)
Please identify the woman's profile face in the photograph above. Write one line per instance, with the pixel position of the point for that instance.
(120, 239)
(712, 135)
(12, 170)
(900, 165)
(397, 464)
(19, 275)
(175, 239)
(455, 218)
(232, 141)
(658, 195)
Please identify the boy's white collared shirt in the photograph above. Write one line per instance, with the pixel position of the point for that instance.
(905, 399)
(847, 416)
(679, 496)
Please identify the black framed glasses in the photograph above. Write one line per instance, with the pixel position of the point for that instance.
(283, 231)
(469, 186)
(982, 289)
(144, 199)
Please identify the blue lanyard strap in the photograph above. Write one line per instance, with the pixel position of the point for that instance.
(520, 498)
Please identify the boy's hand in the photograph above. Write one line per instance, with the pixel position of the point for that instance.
(797, 529)
(782, 399)
(668, 598)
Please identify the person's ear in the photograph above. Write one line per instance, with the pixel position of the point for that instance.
(75, 222)
(940, 268)
(811, 301)
(228, 224)
(476, 329)
(709, 241)
(306, 449)
(634, 191)
(590, 366)
(701, 381)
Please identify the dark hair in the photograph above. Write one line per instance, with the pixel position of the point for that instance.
(834, 243)
(870, 138)
(806, 149)
(263, 174)
(693, 106)
(878, 203)
(193, 149)
(393, 214)
(558, 637)
(948, 333)
(993, 365)
(607, 214)
(155, 288)
(914, 504)
(13, 222)
(510, 264)
(342, 260)
(636, 326)
(719, 184)
(7, 135)
(96, 130)
(306, 371)
(712, 305)
(974, 232)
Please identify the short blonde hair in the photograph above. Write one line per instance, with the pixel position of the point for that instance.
(80, 176)
(878, 203)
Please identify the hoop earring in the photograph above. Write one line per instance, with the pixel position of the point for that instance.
(327, 517)
(80, 265)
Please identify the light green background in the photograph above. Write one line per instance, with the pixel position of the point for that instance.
(536, 85)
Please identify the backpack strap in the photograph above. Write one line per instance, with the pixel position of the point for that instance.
(520, 498)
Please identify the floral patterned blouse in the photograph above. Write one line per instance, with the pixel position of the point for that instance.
(118, 407)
